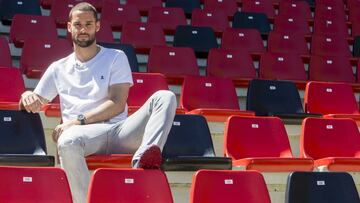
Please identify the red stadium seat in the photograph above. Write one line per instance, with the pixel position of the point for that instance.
(142, 36)
(168, 18)
(330, 26)
(145, 84)
(213, 97)
(11, 87)
(38, 54)
(287, 43)
(283, 66)
(214, 18)
(332, 143)
(330, 11)
(174, 62)
(145, 5)
(331, 69)
(286, 23)
(118, 14)
(331, 99)
(233, 64)
(132, 185)
(259, 6)
(5, 55)
(229, 7)
(213, 186)
(295, 9)
(52, 109)
(243, 39)
(34, 184)
(329, 45)
(261, 143)
(41, 27)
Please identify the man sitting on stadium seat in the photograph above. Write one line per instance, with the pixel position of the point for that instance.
(93, 84)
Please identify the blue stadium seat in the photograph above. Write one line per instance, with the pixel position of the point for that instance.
(201, 39)
(257, 21)
(8, 9)
(22, 140)
(321, 187)
(189, 146)
(275, 98)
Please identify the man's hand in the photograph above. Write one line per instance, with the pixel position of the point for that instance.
(31, 102)
(61, 128)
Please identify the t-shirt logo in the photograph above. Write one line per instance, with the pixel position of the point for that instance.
(102, 77)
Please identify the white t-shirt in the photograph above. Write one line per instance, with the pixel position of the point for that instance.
(84, 86)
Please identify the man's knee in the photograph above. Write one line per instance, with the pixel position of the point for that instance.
(167, 97)
(69, 145)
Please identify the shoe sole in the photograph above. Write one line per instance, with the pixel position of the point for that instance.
(151, 158)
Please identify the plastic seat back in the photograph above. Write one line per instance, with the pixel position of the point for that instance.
(214, 18)
(329, 45)
(267, 97)
(286, 66)
(253, 20)
(287, 43)
(145, 84)
(131, 185)
(201, 39)
(189, 136)
(324, 137)
(22, 133)
(331, 69)
(213, 186)
(261, 6)
(145, 5)
(287, 23)
(42, 27)
(187, 6)
(168, 18)
(118, 14)
(208, 92)
(330, 98)
(142, 35)
(248, 137)
(242, 39)
(232, 64)
(9, 8)
(173, 62)
(321, 187)
(34, 185)
(227, 6)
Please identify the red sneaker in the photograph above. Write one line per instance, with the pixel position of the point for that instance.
(151, 158)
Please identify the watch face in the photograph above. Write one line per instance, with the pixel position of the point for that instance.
(80, 117)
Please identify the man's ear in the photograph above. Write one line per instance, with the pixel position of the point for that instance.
(97, 26)
(69, 27)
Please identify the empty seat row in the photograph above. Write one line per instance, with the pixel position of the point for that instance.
(253, 143)
(147, 186)
(215, 97)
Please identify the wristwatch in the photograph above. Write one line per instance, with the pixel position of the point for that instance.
(82, 119)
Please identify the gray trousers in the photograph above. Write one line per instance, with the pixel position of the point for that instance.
(147, 126)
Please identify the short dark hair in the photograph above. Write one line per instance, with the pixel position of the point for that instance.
(83, 6)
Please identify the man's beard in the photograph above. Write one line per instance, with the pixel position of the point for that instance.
(85, 43)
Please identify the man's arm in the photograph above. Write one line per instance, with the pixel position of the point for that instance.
(114, 105)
